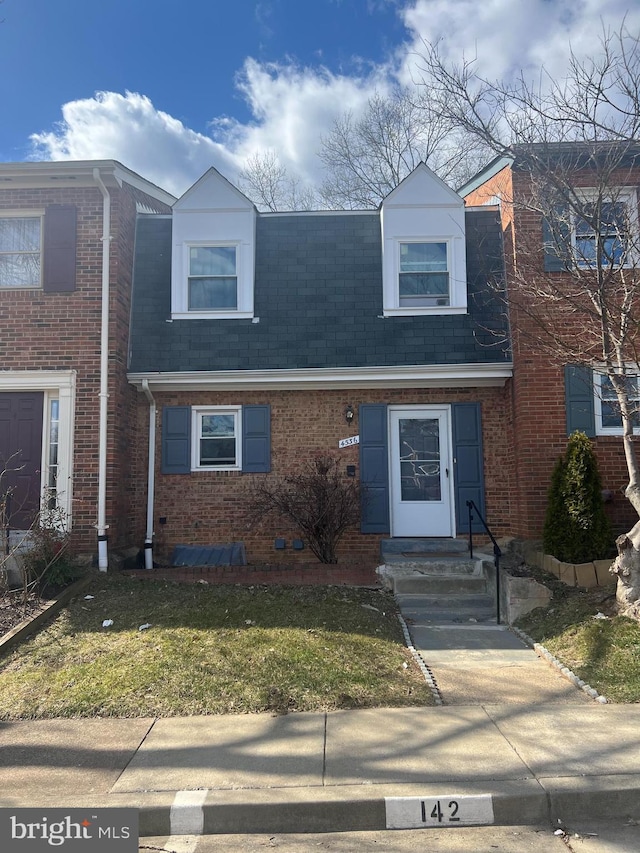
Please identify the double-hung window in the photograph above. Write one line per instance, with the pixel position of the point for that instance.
(602, 236)
(213, 278)
(20, 251)
(423, 275)
(215, 441)
(607, 408)
(603, 230)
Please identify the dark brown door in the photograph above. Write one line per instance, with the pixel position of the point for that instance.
(21, 455)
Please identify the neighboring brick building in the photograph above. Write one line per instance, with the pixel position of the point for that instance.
(550, 398)
(256, 336)
(52, 269)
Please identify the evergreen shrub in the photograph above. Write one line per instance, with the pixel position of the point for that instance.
(576, 528)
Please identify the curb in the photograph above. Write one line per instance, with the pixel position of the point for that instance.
(353, 808)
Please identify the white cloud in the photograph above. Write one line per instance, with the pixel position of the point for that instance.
(507, 37)
(130, 129)
(292, 107)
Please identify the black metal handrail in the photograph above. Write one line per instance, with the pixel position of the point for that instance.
(497, 553)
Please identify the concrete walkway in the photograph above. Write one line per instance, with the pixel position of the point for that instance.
(478, 663)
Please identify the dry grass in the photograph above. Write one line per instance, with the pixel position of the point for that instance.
(603, 652)
(212, 650)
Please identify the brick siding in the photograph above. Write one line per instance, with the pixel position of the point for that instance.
(61, 331)
(538, 395)
(210, 507)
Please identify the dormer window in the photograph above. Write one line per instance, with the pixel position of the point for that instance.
(213, 255)
(424, 265)
(213, 278)
(424, 275)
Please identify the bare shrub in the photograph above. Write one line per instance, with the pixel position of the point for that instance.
(321, 501)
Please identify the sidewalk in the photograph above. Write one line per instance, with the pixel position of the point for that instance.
(330, 772)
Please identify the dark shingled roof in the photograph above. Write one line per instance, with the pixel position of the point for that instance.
(318, 294)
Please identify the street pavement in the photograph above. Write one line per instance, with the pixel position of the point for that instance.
(514, 744)
(591, 837)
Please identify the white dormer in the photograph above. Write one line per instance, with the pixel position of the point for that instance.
(424, 268)
(213, 259)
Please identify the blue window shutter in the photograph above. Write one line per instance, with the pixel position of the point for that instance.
(374, 468)
(256, 439)
(556, 237)
(59, 249)
(176, 440)
(578, 389)
(468, 463)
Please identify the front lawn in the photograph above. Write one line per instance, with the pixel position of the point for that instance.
(211, 650)
(581, 629)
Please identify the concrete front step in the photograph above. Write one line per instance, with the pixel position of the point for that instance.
(450, 584)
(453, 617)
(412, 548)
(449, 616)
(446, 609)
(414, 603)
(437, 565)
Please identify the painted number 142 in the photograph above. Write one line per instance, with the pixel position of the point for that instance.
(438, 814)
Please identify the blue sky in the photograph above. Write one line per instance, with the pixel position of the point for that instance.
(170, 88)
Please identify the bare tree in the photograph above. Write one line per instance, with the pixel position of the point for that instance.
(574, 144)
(266, 181)
(367, 157)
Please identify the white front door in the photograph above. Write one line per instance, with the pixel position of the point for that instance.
(421, 473)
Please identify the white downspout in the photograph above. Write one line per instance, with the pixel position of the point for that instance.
(103, 557)
(151, 476)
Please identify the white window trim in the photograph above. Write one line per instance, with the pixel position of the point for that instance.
(629, 197)
(391, 284)
(25, 214)
(597, 409)
(45, 465)
(244, 288)
(196, 412)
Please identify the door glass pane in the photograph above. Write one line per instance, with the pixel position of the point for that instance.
(419, 459)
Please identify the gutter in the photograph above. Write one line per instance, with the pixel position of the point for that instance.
(472, 375)
(103, 558)
(151, 476)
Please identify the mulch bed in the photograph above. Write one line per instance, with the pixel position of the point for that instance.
(14, 610)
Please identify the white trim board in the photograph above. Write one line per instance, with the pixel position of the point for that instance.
(411, 376)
